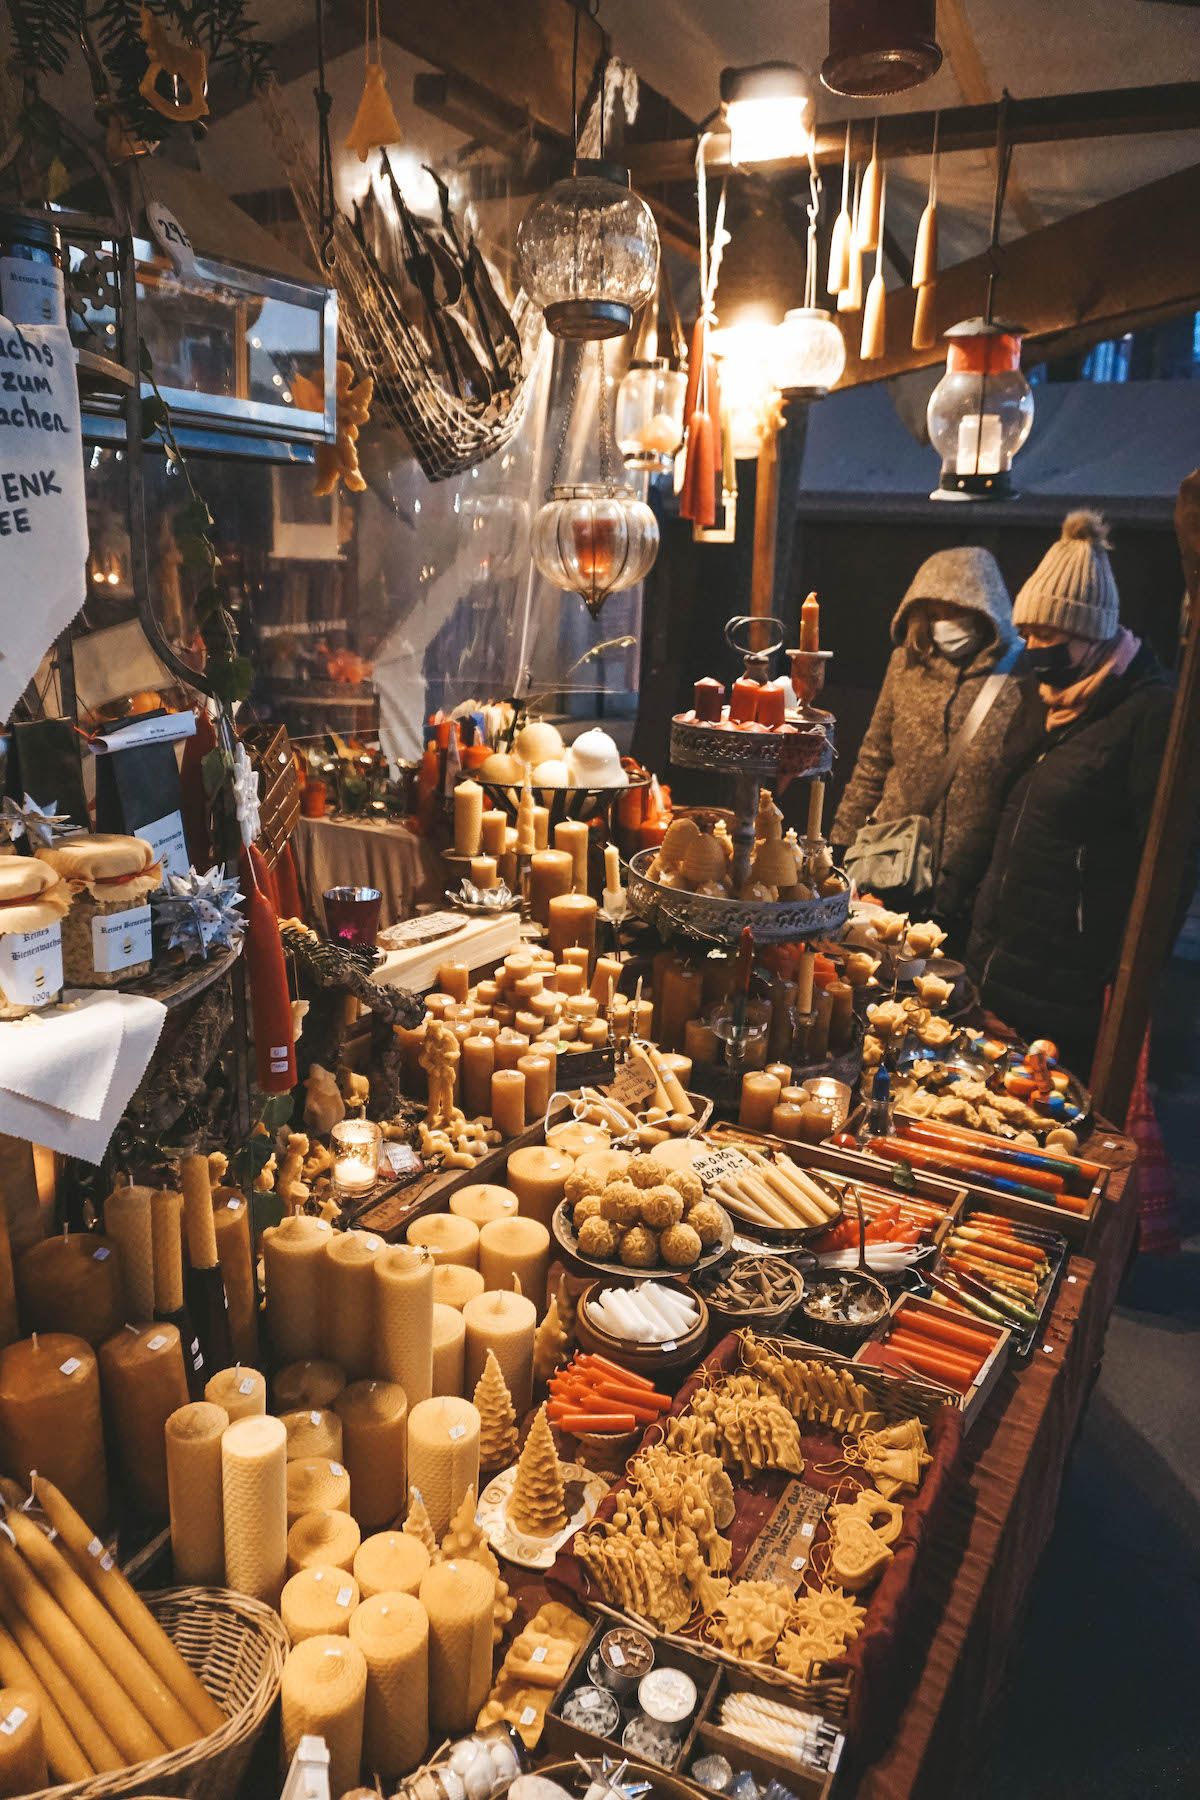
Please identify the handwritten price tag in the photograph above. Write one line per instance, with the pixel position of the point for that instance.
(632, 1086)
(719, 1165)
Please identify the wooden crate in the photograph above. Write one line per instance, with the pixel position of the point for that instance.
(970, 1403)
(711, 1739)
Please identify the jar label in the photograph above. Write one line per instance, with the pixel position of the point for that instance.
(170, 846)
(120, 939)
(31, 970)
(31, 293)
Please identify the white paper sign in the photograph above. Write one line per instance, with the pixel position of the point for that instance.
(165, 728)
(32, 293)
(715, 1165)
(31, 970)
(120, 939)
(170, 845)
(43, 519)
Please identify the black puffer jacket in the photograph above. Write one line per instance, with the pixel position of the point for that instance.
(1051, 910)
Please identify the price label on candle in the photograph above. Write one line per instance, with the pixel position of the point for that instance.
(101, 1254)
(345, 1596)
(539, 1655)
(718, 1165)
(632, 1086)
(246, 1386)
(457, 1431)
(232, 1205)
(528, 1716)
(14, 1721)
(69, 1367)
(314, 1418)
(336, 1469)
(672, 1345)
(616, 1656)
(156, 1342)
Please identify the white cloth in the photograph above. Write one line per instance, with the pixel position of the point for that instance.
(66, 1076)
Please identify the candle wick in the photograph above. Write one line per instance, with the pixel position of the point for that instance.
(33, 1340)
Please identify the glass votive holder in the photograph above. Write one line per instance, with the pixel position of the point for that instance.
(357, 1146)
(835, 1096)
(352, 915)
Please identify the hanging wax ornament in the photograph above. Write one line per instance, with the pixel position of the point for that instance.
(839, 241)
(375, 124)
(851, 296)
(867, 230)
(338, 461)
(925, 256)
(924, 331)
(875, 309)
(185, 65)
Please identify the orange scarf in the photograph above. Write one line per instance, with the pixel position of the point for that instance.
(1065, 705)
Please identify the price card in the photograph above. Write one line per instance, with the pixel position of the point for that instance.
(718, 1165)
(69, 1367)
(529, 1716)
(632, 1086)
(247, 1387)
(14, 1721)
(403, 1161)
(345, 1596)
(157, 1342)
(616, 1656)
(671, 1346)
(457, 1431)
(101, 1254)
(539, 1655)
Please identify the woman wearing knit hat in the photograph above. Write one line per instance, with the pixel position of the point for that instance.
(1052, 907)
(953, 630)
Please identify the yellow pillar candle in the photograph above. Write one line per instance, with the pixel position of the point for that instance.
(242, 1392)
(193, 1436)
(143, 1379)
(458, 1597)
(322, 1540)
(322, 1694)
(513, 1251)
(391, 1562)
(454, 978)
(760, 1095)
(508, 1102)
(311, 1382)
(314, 1433)
(404, 1311)
(504, 1323)
(231, 1220)
(572, 922)
(166, 1231)
(449, 1344)
(679, 1065)
(392, 1631)
(468, 818)
(536, 1071)
(443, 1455)
(541, 827)
(478, 1061)
(484, 871)
(315, 1484)
(50, 1419)
(551, 874)
(576, 1138)
(454, 1285)
(374, 1416)
(447, 1237)
(595, 1033)
(481, 1201)
(196, 1181)
(805, 971)
(350, 1295)
(318, 1602)
(72, 1281)
(569, 979)
(510, 1047)
(254, 1496)
(607, 974)
(492, 832)
(127, 1221)
(700, 1041)
(538, 1176)
(571, 835)
(23, 1768)
(294, 1264)
(528, 1023)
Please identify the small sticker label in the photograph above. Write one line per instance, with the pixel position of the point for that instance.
(107, 1561)
(157, 1341)
(102, 1254)
(345, 1596)
(807, 1529)
(670, 1345)
(121, 939)
(528, 1716)
(95, 1548)
(69, 1367)
(616, 1656)
(798, 1562)
(1071, 1280)
(314, 1418)
(232, 1205)
(336, 1469)
(539, 1655)
(1047, 1350)
(31, 969)
(14, 1721)
(457, 1431)
(246, 1386)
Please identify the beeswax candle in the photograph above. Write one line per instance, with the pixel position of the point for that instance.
(193, 1438)
(72, 1282)
(166, 1230)
(572, 923)
(254, 1494)
(23, 1768)
(391, 1562)
(571, 835)
(493, 832)
(241, 1391)
(196, 1182)
(577, 1138)
(454, 978)
(509, 1046)
(504, 1323)
(404, 1312)
(294, 1264)
(318, 1602)
(91, 1740)
(535, 1071)
(449, 1347)
(143, 1379)
(447, 1237)
(760, 1096)
(477, 1063)
(537, 1176)
(569, 980)
(551, 873)
(457, 1597)
(322, 1540)
(443, 1455)
(392, 1631)
(310, 1383)
(231, 1220)
(454, 1285)
(484, 871)
(322, 1694)
(508, 1102)
(127, 1221)
(350, 1295)
(516, 1250)
(374, 1416)
(468, 818)
(315, 1484)
(481, 1201)
(314, 1433)
(65, 1759)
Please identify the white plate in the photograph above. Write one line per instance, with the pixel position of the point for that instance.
(584, 1490)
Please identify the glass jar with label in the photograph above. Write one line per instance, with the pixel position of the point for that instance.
(107, 936)
(31, 269)
(33, 902)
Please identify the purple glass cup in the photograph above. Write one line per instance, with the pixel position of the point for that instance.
(352, 915)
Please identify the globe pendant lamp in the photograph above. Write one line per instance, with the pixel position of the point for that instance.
(594, 539)
(808, 354)
(880, 46)
(587, 252)
(980, 412)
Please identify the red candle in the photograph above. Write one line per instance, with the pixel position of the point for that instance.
(769, 706)
(743, 701)
(710, 694)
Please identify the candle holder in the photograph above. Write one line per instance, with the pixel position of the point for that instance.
(352, 915)
(357, 1146)
(836, 1095)
(745, 1039)
(808, 673)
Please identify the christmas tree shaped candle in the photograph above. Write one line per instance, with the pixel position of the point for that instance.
(497, 1419)
(536, 1505)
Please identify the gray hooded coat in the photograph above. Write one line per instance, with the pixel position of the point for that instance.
(924, 700)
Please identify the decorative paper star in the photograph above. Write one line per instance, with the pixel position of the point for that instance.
(200, 911)
(245, 794)
(618, 1779)
(41, 824)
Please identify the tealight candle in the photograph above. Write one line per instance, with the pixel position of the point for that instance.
(525, 986)
(356, 1146)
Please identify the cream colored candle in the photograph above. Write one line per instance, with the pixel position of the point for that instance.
(569, 979)
(545, 1007)
(612, 869)
(583, 1008)
(23, 1767)
(760, 1095)
(537, 1176)
(196, 1180)
(315, 1484)
(478, 1061)
(374, 1416)
(700, 1041)
(454, 978)
(437, 1005)
(504, 1323)
(516, 1250)
(528, 1023)
(311, 1382)
(457, 1597)
(577, 957)
(322, 1540)
(240, 1391)
(127, 1221)
(404, 1301)
(443, 1455)
(73, 1281)
(508, 1102)
(318, 1602)
(254, 1496)
(143, 1380)
(595, 1033)
(322, 1694)
(392, 1631)
(350, 1295)
(481, 1201)
(166, 1230)
(526, 986)
(805, 971)
(510, 1047)
(607, 973)
(484, 871)
(231, 1220)
(551, 874)
(571, 835)
(447, 1237)
(314, 1433)
(449, 1345)
(679, 1065)
(486, 1028)
(816, 806)
(391, 1562)
(536, 1073)
(468, 818)
(492, 832)
(294, 1264)
(454, 1286)
(572, 922)
(193, 1440)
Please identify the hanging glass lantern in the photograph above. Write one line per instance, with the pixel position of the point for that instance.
(587, 252)
(980, 412)
(808, 354)
(650, 413)
(594, 539)
(767, 111)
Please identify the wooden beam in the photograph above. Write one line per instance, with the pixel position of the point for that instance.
(1165, 858)
(1119, 259)
(1044, 119)
(958, 41)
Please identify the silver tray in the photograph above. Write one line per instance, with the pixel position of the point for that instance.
(710, 916)
(754, 753)
(567, 1240)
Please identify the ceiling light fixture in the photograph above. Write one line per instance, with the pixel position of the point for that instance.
(768, 110)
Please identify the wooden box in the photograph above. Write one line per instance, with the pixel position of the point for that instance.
(971, 1402)
(709, 1738)
(571, 1740)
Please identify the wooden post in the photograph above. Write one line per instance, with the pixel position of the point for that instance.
(1165, 858)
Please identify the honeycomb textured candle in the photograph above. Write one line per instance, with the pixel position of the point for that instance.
(316, 1484)
(392, 1631)
(241, 1391)
(391, 1562)
(294, 1265)
(458, 1597)
(144, 1382)
(23, 1767)
(448, 1238)
(322, 1694)
(313, 1433)
(449, 1349)
(231, 1219)
(404, 1297)
(128, 1221)
(503, 1323)
(443, 1455)
(322, 1540)
(374, 1419)
(193, 1437)
(454, 1286)
(318, 1602)
(166, 1226)
(254, 1493)
(350, 1301)
(311, 1383)
(50, 1419)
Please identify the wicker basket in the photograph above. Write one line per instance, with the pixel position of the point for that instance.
(237, 1647)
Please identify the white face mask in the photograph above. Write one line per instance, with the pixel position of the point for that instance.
(955, 640)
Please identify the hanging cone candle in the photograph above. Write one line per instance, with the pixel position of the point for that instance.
(375, 125)
(843, 227)
(924, 333)
(698, 501)
(869, 219)
(875, 310)
(925, 256)
(850, 298)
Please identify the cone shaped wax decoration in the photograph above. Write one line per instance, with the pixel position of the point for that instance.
(843, 226)
(924, 336)
(870, 219)
(875, 309)
(465, 1542)
(537, 1505)
(418, 1525)
(850, 297)
(926, 256)
(549, 1344)
(375, 125)
(497, 1418)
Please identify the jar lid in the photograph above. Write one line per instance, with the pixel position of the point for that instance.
(38, 229)
(107, 863)
(31, 895)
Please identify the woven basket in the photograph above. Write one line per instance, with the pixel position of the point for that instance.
(237, 1647)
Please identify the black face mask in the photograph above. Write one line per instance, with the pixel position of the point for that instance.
(1050, 663)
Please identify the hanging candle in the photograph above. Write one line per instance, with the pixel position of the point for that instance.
(839, 240)
(587, 252)
(875, 307)
(594, 539)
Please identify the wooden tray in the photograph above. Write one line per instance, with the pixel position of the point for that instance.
(970, 1403)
